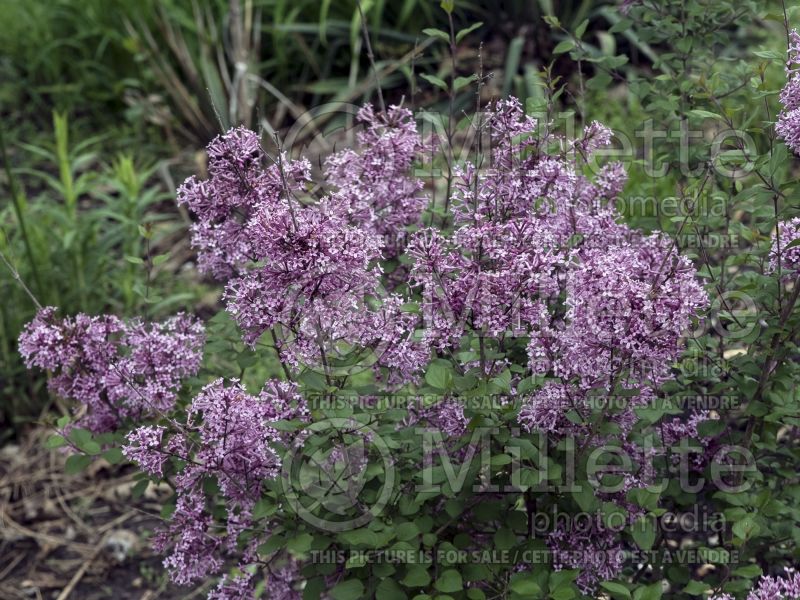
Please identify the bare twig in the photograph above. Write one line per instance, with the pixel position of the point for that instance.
(371, 56)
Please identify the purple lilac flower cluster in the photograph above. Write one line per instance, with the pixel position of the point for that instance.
(539, 251)
(115, 370)
(310, 270)
(772, 588)
(788, 124)
(533, 229)
(228, 438)
(372, 185)
(781, 252)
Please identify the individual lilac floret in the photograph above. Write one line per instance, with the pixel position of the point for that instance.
(116, 370)
(788, 232)
(788, 124)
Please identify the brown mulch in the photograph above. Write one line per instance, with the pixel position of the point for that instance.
(77, 537)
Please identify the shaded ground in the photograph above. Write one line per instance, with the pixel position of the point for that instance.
(77, 537)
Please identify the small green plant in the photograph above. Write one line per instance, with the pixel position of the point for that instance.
(86, 235)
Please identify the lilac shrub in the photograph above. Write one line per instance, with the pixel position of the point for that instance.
(531, 292)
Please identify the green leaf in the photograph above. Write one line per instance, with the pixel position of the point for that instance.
(581, 29)
(360, 537)
(434, 80)
(263, 508)
(651, 592)
(407, 531)
(134, 260)
(696, 588)
(55, 441)
(390, 590)
(114, 456)
(705, 114)
(160, 259)
(769, 54)
(275, 542)
(745, 528)
(438, 34)
(617, 590)
(748, 571)
(465, 32)
(416, 576)
(246, 359)
(439, 376)
(504, 539)
(461, 82)
(563, 46)
(644, 533)
(563, 593)
(300, 545)
(551, 20)
(352, 589)
(167, 510)
(138, 489)
(525, 585)
(77, 463)
(448, 6)
(449, 581)
(83, 440)
(562, 578)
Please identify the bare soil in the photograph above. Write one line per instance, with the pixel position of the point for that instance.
(77, 537)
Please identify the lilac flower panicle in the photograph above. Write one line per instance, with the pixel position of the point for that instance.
(788, 124)
(772, 588)
(595, 135)
(239, 587)
(305, 268)
(448, 418)
(787, 232)
(116, 370)
(373, 185)
(240, 184)
(598, 555)
(145, 448)
(229, 437)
